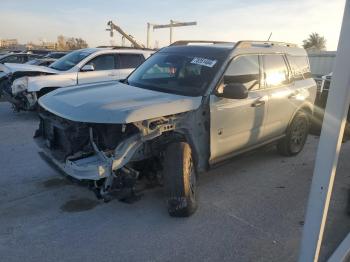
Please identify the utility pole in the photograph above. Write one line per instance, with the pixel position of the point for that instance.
(171, 25)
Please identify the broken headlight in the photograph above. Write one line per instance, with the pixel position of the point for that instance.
(19, 85)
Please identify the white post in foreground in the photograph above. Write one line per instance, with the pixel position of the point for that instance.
(328, 148)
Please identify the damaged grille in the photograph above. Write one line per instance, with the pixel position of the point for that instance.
(65, 138)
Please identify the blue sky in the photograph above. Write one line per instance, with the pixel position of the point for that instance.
(229, 20)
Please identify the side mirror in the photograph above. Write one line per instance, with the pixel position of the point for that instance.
(87, 68)
(232, 91)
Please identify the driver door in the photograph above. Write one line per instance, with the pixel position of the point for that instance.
(105, 69)
(238, 123)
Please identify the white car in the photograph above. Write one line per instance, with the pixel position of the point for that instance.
(23, 84)
(188, 107)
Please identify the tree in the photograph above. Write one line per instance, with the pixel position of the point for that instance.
(61, 42)
(71, 43)
(315, 42)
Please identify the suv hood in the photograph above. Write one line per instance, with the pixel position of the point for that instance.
(114, 103)
(12, 68)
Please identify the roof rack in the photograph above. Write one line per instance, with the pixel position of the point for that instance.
(187, 42)
(123, 47)
(252, 43)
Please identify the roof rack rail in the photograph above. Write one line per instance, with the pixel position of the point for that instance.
(187, 42)
(123, 47)
(252, 43)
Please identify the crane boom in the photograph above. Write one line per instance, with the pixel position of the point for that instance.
(124, 34)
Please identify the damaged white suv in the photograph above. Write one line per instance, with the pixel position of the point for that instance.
(186, 108)
(23, 84)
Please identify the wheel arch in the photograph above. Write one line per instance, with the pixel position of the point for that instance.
(45, 90)
(306, 108)
(182, 135)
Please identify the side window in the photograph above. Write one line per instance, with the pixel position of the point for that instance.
(130, 60)
(276, 72)
(103, 62)
(14, 59)
(244, 69)
(300, 67)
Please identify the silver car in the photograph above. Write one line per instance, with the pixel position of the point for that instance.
(186, 108)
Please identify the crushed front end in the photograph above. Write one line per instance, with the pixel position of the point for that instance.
(109, 156)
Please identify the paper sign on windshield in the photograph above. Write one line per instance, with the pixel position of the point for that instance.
(203, 62)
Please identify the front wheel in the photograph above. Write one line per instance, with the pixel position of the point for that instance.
(180, 179)
(296, 135)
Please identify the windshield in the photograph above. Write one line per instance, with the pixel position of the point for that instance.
(175, 73)
(68, 61)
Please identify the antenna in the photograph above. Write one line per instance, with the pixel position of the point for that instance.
(269, 36)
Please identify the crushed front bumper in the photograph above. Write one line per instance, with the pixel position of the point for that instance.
(88, 168)
(96, 166)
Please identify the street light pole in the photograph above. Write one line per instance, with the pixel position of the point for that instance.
(148, 35)
(171, 31)
(171, 25)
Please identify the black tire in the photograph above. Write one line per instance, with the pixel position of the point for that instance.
(180, 179)
(296, 135)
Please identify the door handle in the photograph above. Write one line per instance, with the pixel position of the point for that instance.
(258, 103)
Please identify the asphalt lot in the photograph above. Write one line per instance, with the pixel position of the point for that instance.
(251, 209)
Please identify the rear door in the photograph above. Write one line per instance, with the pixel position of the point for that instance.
(105, 69)
(127, 62)
(238, 123)
(281, 92)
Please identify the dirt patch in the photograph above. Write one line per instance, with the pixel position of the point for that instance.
(79, 205)
(56, 182)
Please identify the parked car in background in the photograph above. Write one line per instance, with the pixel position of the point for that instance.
(42, 52)
(56, 55)
(41, 61)
(18, 58)
(23, 84)
(187, 108)
(321, 102)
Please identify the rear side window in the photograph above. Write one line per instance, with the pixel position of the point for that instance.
(103, 62)
(300, 67)
(276, 72)
(15, 59)
(245, 70)
(130, 60)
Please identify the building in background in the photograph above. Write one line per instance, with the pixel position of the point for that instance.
(8, 43)
(42, 45)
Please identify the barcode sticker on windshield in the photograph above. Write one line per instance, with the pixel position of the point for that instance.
(203, 62)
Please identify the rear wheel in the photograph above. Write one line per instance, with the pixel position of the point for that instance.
(296, 135)
(180, 179)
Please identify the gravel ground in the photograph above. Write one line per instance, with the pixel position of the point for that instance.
(251, 209)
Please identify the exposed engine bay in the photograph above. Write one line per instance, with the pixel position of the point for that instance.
(111, 156)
